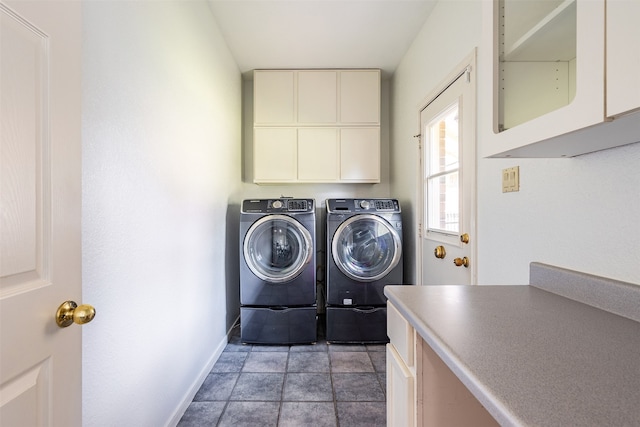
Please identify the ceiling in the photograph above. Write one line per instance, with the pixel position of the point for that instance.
(264, 34)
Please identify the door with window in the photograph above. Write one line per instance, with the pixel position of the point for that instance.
(447, 232)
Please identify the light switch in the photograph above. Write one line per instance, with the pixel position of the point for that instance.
(511, 179)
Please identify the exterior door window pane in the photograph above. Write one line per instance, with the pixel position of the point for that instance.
(442, 173)
(443, 210)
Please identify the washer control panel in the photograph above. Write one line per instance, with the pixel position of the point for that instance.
(363, 205)
(277, 205)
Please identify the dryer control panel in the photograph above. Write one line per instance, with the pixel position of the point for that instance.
(277, 205)
(363, 205)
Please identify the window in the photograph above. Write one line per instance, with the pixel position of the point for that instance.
(442, 173)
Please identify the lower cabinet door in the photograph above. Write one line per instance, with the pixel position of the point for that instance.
(401, 405)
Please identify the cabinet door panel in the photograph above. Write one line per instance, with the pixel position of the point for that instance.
(273, 97)
(400, 333)
(318, 154)
(274, 154)
(317, 97)
(623, 56)
(360, 154)
(400, 391)
(360, 96)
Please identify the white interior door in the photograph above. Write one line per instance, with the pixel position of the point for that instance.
(40, 187)
(447, 197)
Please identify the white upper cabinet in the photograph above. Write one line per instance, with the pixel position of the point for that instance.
(360, 154)
(316, 126)
(360, 97)
(548, 77)
(317, 97)
(277, 151)
(623, 56)
(276, 103)
(318, 154)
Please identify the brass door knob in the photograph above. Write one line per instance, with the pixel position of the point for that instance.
(439, 252)
(461, 261)
(464, 238)
(69, 312)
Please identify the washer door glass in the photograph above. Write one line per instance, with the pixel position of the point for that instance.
(366, 248)
(277, 248)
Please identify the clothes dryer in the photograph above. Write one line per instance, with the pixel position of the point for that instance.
(278, 271)
(364, 253)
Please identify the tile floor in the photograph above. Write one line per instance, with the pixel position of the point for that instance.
(316, 385)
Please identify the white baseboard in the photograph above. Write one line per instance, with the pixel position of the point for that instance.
(199, 380)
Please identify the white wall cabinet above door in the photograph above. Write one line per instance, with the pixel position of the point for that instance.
(530, 118)
(316, 126)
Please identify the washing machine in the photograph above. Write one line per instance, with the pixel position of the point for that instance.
(364, 253)
(278, 271)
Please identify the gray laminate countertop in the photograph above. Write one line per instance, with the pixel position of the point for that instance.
(531, 357)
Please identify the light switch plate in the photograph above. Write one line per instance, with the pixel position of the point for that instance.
(511, 179)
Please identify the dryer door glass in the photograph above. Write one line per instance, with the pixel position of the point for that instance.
(277, 248)
(366, 248)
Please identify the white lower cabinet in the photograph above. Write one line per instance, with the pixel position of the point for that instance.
(401, 371)
(401, 408)
(421, 389)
